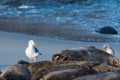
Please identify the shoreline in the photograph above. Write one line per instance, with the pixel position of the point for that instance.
(55, 30)
(13, 46)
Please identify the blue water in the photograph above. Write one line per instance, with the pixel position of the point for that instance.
(89, 14)
(2, 67)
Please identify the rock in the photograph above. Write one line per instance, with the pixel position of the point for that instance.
(105, 68)
(0, 72)
(2, 78)
(96, 66)
(58, 57)
(17, 72)
(47, 70)
(70, 64)
(44, 64)
(62, 72)
(87, 54)
(107, 30)
(101, 76)
(99, 67)
(25, 63)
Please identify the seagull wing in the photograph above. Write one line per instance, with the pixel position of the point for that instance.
(36, 50)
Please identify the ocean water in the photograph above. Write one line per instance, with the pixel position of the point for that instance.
(89, 14)
(2, 67)
(86, 15)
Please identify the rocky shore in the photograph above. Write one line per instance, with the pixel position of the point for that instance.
(85, 63)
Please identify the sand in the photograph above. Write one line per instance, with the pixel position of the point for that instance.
(67, 31)
(13, 45)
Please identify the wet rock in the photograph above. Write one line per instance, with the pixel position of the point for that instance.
(17, 72)
(62, 72)
(81, 54)
(35, 66)
(105, 68)
(47, 70)
(87, 54)
(97, 66)
(44, 64)
(59, 57)
(25, 63)
(101, 76)
(0, 72)
(2, 78)
(107, 30)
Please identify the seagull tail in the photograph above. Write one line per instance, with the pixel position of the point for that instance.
(40, 53)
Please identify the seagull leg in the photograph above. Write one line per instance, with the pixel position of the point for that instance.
(34, 59)
(30, 60)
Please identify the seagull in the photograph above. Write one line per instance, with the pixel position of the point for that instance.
(31, 51)
(108, 49)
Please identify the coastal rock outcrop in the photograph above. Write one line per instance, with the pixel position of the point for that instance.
(63, 69)
(99, 67)
(23, 62)
(2, 78)
(0, 72)
(87, 53)
(90, 58)
(16, 72)
(68, 72)
(33, 67)
(107, 30)
(101, 76)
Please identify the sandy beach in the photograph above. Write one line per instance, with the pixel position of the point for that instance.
(13, 45)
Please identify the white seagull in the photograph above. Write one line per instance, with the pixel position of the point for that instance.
(31, 51)
(108, 49)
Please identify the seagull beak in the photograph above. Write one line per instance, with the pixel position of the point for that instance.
(34, 44)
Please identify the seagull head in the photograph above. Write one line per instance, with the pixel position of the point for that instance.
(31, 43)
(105, 46)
